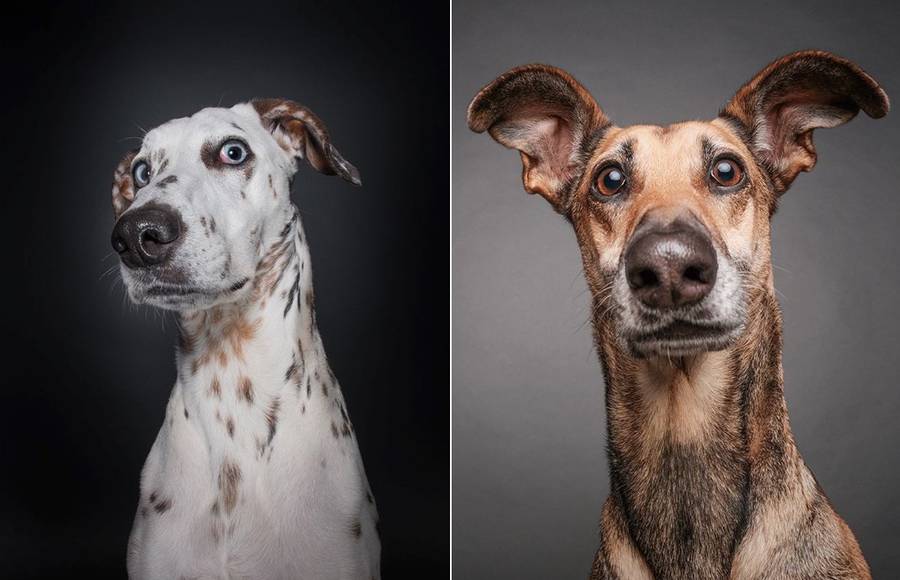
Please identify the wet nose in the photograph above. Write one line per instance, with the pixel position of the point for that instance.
(146, 236)
(672, 264)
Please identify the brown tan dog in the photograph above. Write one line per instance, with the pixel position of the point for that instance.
(673, 225)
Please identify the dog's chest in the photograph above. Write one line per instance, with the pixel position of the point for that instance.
(686, 509)
(680, 471)
(257, 478)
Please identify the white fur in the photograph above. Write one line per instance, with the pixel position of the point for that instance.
(301, 507)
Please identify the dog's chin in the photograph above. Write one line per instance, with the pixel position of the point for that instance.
(681, 338)
(185, 296)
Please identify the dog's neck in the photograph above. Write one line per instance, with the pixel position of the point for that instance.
(695, 441)
(238, 362)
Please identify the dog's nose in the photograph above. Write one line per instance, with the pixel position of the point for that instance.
(671, 265)
(146, 236)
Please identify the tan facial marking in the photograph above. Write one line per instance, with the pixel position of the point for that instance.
(667, 172)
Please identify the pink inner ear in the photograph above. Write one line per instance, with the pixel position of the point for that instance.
(787, 126)
(546, 139)
(556, 142)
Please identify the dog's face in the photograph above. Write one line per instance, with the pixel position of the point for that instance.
(197, 203)
(673, 222)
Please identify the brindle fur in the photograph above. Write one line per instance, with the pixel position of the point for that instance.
(706, 479)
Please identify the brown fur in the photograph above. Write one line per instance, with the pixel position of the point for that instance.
(706, 480)
(123, 184)
(300, 132)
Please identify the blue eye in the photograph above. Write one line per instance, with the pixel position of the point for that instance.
(610, 181)
(233, 152)
(141, 174)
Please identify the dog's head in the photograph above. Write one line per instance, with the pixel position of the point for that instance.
(673, 222)
(198, 203)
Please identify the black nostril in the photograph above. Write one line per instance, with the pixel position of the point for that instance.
(164, 233)
(694, 274)
(645, 278)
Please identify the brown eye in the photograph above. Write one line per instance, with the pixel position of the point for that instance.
(726, 172)
(610, 181)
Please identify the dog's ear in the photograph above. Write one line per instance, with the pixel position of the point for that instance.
(300, 131)
(123, 184)
(545, 114)
(782, 105)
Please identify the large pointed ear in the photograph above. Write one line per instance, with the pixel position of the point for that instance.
(299, 131)
(545, 114)
(123, 184)
(782, 105)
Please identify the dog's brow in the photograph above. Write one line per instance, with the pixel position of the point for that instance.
(622, 152)
(712, 150)
(238, 127)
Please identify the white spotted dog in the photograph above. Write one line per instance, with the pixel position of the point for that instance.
(256, 471)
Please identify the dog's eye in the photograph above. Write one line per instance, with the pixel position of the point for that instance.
(610, 181)
(233, 152)
(141, 174)
(726, 172)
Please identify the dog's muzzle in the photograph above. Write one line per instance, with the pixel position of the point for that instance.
(670, 265)
(147, 236)
(676, 294)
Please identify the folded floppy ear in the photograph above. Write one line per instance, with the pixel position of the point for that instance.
(299, 131)
(782, 105)
(123, 184)
(545, 114)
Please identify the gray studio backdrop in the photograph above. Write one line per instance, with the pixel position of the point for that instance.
(529, 466)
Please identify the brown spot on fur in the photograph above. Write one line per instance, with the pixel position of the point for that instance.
(163, 505)
(334, 430)
(239, 332)
(229, 480)
(245, 389)
(272, 417)
(356, 528)
(215, 387)
(229, 426)
(292, 372)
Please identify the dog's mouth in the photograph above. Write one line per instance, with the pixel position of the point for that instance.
(682, 337)
(168, 290)
(184, 296)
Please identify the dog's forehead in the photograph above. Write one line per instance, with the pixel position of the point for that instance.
(680, 143)
(240, 121)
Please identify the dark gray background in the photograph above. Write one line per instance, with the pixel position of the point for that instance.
(529, 467)
(86, 377)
